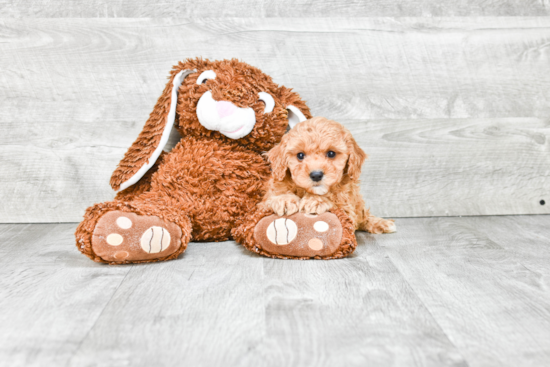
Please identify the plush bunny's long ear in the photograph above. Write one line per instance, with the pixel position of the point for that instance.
(146, 149)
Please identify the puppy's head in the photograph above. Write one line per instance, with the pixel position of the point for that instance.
(318, 153)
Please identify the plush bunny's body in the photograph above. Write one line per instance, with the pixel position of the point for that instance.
(208, 187)
(215, 183)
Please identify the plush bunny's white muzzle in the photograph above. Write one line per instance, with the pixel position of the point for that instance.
(223, 116)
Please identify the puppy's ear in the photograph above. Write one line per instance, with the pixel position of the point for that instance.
(146, 149)
(277, 158)
(355, 160)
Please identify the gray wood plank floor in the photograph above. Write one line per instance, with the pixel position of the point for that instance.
(441, 292)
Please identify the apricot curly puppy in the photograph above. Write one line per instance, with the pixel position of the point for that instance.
(315, 168)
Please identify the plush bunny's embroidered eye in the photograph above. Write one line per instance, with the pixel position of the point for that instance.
(206, 75)
(268, 100)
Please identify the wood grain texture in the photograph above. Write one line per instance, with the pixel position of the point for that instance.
(205, 308)
(445, 167)
(358, 311)
(485, 280)
(416, 168)
(254, 8)
(76, 93)
(50, 295)
(217, 305)
(440, 292)
(534, 251)
(367, 68)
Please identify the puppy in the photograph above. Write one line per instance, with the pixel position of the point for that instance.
(315, 168)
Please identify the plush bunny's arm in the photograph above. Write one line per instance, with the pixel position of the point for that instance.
(144, 152)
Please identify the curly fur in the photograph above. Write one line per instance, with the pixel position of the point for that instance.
(208, 183)
(244, 234)
(291, 188)
(85, 229)
(236, 82)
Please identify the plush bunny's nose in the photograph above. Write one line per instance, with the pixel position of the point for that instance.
(225, 108)
(316, 175)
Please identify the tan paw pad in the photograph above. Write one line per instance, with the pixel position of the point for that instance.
(124, 222)
(121, 255)
(127, 237)
(282, 231)
(321, 226)
(114, 239)
(155, 239)
(315, 244)
(299, 235)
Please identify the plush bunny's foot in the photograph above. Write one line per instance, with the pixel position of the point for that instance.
(122, 237)
(305, 236)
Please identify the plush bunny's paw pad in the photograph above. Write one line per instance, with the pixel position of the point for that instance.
(126, 237)
(299, 235)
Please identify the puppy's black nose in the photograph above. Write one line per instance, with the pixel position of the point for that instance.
(316, 176)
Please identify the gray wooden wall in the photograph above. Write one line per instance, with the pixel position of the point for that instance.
(450, 98)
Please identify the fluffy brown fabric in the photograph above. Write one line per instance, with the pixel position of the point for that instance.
(143, 185)
(85, 229)
(236, 82)
(208, 183)
(244, 234)
(320, 145)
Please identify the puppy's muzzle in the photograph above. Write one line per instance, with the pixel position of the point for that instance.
(316, 176)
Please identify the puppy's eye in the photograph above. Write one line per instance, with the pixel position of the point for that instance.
(331, 154)
(205, 76)
(300, 156)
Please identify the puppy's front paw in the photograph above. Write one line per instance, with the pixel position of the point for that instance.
(284, 204)
(314, 204)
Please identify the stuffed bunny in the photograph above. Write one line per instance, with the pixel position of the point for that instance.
(208, 186)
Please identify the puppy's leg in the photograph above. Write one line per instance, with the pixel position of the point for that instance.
(283, 204)
(373, 224)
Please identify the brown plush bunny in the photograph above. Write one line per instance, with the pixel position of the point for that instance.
(208, 187)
